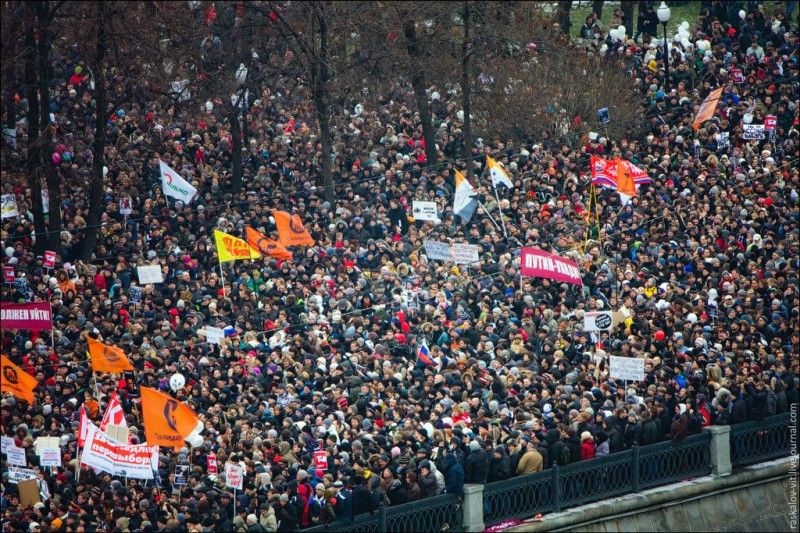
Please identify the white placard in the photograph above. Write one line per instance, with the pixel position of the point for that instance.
(16, 456)
(439, 251)
(6, 443)
(46, 442)
(125, 205)
(9, 206)
(753, 132)
(127, 460)
(50, 457)
(422, 210)
(214, 335)
(234, 476)
(598, 321)
(626, 368)
(465, 254)
(15, 475)
(150, 274)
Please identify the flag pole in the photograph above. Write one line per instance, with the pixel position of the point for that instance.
(222, 278)
(500, 209)
(488, 214)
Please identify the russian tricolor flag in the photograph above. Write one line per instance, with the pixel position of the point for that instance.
(424, 355)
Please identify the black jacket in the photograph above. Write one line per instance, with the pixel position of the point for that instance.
(499, 468)
(476, 467)
(633, 434)
(651, 432)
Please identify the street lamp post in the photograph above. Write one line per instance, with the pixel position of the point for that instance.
(663, 13)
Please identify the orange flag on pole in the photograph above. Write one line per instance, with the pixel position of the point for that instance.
(266, 246)
(167, 422)
(291, 231)
(107, 358)
(625, 185)
(707, 108)
(16, 381)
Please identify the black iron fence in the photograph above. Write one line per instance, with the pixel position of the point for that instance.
(754, 442)
(439, 513)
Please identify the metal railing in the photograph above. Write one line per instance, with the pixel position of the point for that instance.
(439, 513)
(598, 479)
(754, 442)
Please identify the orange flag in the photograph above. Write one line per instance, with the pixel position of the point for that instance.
(167, 422)
(107, 358)
(266, 246)
(16, 381)
(707, 108)
(291, 231)
(625, 186)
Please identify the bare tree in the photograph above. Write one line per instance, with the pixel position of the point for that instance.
(562, 15)
(597, 8)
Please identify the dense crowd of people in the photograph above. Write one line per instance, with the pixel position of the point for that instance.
(702, 264)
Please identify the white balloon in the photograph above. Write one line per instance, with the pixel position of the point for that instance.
(747, 118)
(358, 110)
(685, 43)
(685, 25)
(691, 317)
(195, 440)
(176, 382)
(105, 171)
(742, 14)
(622, 31)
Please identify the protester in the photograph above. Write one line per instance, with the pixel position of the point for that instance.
(700, 270)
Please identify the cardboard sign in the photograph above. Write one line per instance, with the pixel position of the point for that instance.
(181, 475)
(149, 274)
(626, 368)
(321, 460)
(16, 456)
(8, 206)
(15, 475)
(50, 457)
(46, 442)
(211, 460)
(234, 476)
(770, 121)
(125, 206)
(28, 493)
(214, 335)
(49, 259)
(135, 294)
(737, 75)
(424, 211)
(753, 132)
(118, 433)
(603, 116)
(597, 321)
(724, 141)
(8, 274)
(6, 443)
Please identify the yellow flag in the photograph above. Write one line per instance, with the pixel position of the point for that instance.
(230, 248)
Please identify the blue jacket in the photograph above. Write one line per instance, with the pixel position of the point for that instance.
(344, 505)
(453, 475)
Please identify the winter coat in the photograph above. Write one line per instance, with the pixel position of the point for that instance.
(454, 475)
(499, 468)
(588, 450)
(633, 434)
(531, 462)
(602, 449)
(651, 433)
(476, 467)
(427, 484)
(680, 427)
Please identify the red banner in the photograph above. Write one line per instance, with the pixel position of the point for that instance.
(33, 316)
(8, 274)
(49, 259)
(540, 264)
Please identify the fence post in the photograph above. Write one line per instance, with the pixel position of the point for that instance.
(382, 518)
(556, 487)
(720, 449)
(635, 469)
(473, 507)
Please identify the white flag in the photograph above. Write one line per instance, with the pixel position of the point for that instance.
(498, 174)
(464, 202)
(174, 185)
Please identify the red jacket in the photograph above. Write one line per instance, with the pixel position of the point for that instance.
(587, 450)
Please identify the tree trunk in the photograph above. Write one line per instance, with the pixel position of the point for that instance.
(597, 8)
(236, 143)
(34, 161)
(320, 75)
(562, 15)
(96, 190)
(51, 173)
(627, 16)
(418, 83)
(466, 90)
(238, 127)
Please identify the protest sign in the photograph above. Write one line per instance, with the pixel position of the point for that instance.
(626, 368)
(135, 294)
(127, 460)
(597, 321)
(28, 492)
(15, 475)
(465, 253)
(149, 274)
(737, 75)
(770, 121)
(49, 259)
(8, 274)
(125, 206)
(181, 475)
(214, 335)
(16, 456)
(424, 211)
(46, 442)
(8, 206)
(438, 251)
(753, 132)
(540, 264)
(211, 460)
(50, 457)
(32, 316)
(6, 442)
(321, 460)
(234, 476)
(723, 141)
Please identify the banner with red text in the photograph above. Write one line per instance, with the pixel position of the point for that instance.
(35, 316)
(127, 460)
(537, 263)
